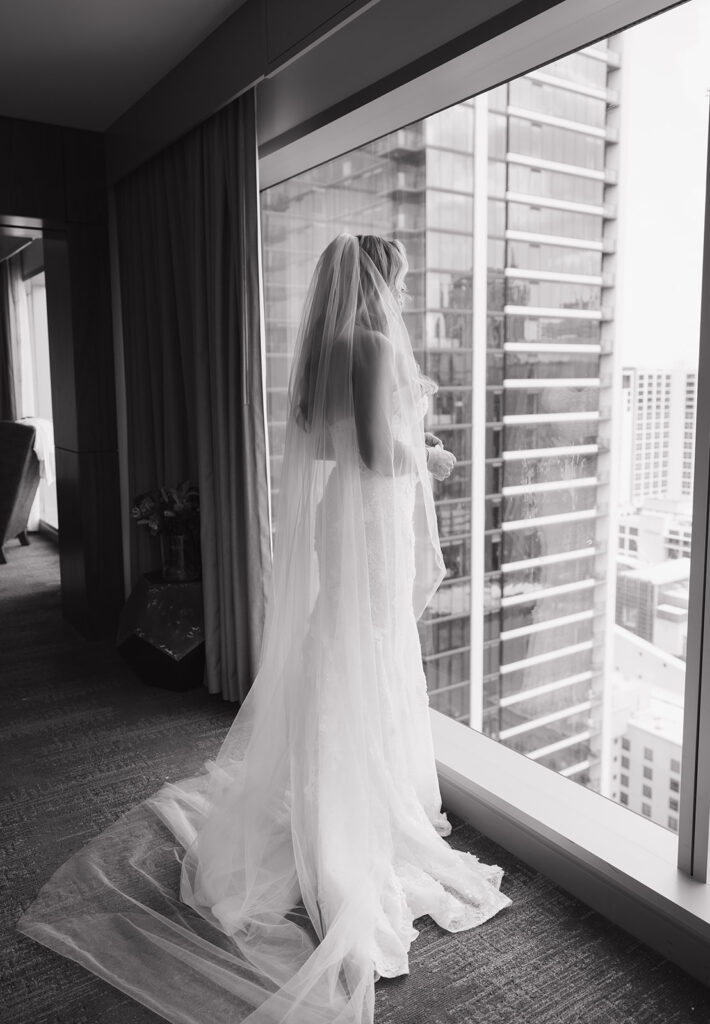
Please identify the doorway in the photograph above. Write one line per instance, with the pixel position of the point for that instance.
(26, 392)
(36, 383)
(65, 359)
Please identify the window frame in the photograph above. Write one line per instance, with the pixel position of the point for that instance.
(694, 814)
(633, 870)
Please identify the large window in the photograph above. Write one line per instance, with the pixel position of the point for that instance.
(590, 316)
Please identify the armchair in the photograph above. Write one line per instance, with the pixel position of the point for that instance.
(19, 480)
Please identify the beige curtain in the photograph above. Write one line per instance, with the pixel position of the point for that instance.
(188, 251)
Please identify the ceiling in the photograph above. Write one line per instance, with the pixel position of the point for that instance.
(82, 63)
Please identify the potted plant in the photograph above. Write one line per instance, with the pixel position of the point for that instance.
(173, 515)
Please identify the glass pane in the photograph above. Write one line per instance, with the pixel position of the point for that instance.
(533, 95)
(593, 222)
(452, 171)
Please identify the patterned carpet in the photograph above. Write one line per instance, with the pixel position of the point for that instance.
(82, 741)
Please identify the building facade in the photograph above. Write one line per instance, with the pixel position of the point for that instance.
(656, 530)
(659, 414)
(652, 602)
(649, 761)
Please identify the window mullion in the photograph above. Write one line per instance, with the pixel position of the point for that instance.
(694, 816)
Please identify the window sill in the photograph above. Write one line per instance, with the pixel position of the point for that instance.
(622, 865)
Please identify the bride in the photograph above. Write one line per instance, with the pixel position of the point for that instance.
(282, 882)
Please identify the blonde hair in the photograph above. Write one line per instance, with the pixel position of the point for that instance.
(388, 255)
(390, 260)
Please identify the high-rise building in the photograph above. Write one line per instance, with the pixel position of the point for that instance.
(650, 753)
(506, 206)
(550, 346)
(659, 411)
(645, 728)
(652, 601)
(656, 530)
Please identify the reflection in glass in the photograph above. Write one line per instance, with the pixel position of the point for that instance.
(535, 95)
(564, 259)
(562, 145)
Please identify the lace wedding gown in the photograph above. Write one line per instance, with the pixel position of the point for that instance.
(423, 874)
(276, 886)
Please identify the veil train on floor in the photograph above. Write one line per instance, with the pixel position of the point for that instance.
(282, 880)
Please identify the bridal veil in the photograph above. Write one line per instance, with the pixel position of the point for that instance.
(277, 884)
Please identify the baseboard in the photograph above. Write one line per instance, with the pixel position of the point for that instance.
(48, 531)
(637, 912)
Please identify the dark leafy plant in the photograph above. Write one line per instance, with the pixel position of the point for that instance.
(168, 509)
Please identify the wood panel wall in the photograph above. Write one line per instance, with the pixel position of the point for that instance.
(53, 179)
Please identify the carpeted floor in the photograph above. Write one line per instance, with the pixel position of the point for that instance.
(83, 740)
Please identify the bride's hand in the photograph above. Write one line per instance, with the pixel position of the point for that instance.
(440, 462)
(431, 439)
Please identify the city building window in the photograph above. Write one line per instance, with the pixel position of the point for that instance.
(646, 809)
(624, 780)
(624, 798)
(648, 753)
(625, 743)
(672, 823)
(647, 791)
(675, 765)
(625, 763)
(673, 803)
(675, 786)
(648, 773)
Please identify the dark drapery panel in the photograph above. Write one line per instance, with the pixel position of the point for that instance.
(188, 252)
(8, 406)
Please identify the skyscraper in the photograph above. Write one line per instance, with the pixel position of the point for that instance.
(659, 410)
(545, 614)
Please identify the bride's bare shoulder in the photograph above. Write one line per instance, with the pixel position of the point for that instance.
(365, 349)
(369, 345)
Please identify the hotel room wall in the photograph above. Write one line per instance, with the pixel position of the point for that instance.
(54, 185)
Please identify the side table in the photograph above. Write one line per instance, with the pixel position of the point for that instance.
(161, 632)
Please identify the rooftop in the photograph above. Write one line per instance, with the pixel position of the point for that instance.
(663, 717)
(662, 572)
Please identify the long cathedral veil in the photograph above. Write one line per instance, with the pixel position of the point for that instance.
(282, 848)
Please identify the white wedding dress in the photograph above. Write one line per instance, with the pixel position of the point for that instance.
(423, 874)
(296, 863)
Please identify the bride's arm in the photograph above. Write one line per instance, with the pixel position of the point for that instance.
(373, 385)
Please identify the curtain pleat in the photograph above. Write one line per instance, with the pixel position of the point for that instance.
(8, 406)
(16, 388)
(188, 235)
